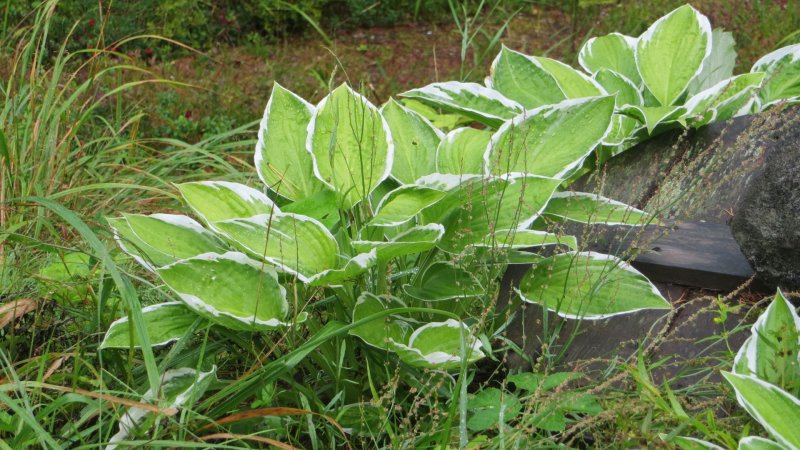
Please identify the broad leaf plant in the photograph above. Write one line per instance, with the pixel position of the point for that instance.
(382, 211)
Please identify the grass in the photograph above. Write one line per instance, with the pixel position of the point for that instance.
(89, 134)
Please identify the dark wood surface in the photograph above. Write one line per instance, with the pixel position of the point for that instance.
(697, 254)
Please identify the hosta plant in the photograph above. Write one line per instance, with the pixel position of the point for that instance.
(766, 379)
(374, 213)
(678, 73)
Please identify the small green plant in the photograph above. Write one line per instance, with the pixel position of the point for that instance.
(678, 73)
(766, 379)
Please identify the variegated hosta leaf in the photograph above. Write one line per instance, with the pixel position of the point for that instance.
(472, 100)
(295, 244)
(573, 83)
(461, 151)
(352, 268)
(281, 158)
(625, 92)
(728, 98)
(719, 64)
(351, 144)
(160, 239)
(518, 239)
(179, 388)
(782, 79)
(623, 134)
(670, 54)
(441, 121)
(415, 142)
(229, 289)
(379, 333)
(402, 204)
(775, 409)
(544, 141)
(772, 352)
(522, 78)
(221, 200)
(585, 207)
(758, 443)
(165, 323)
(320, 206)
(438, 345)
(654, 116)
(482, 207)
(444, 281)
(411, 242)
(589, 286)
(615, 52)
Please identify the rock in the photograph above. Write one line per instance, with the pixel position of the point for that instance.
(767, 223)
(743, 173)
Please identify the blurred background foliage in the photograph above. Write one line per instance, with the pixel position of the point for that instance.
(227, 53)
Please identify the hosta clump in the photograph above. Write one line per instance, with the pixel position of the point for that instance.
(766, 379)
(357, 190)
(679, 72)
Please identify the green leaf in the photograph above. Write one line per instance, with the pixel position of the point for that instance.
(161, 239)
(410, 242)
(719, 64)
(728, 98)
(229, 289)
(67, 278)
(445, 281)
(670, 54)
(573, 83)
(402, 204)
(782, 79)
(461, 151)
(758, 443)
(486, 206)
(165, 323)
(615, 52)
(532, 382)
(362, 419)
(179, 388)
(579, 402)
(441, 121)
(518, 239)
(772, 353)
(415, 142)
(589, 286)
(320, 206)
(623, 134)
(543, 141)
(775, 409)
(437, 345)
(223, 200)
(352, 268)
(585, 207)
(379, 333)
(472, 100)
(295, 244)
(491, 407)
(522, 78)
(625, 92)
(281, 158)
(351, 144)
(653, 116)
